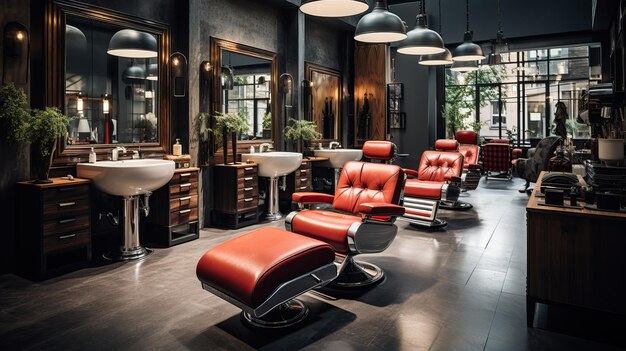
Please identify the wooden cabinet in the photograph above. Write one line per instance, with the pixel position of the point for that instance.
(575, 257)
(236, 195)
(297, 181)
(54, 231)
(173, 217)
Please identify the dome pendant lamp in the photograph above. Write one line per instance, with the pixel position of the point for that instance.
(133, 44)
(440, 59)
(421, 40)
(380, 26)
(499, 46)
(468, 51)
(334, 8)
(464, 66)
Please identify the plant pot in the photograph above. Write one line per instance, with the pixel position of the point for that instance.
(233, 138)
(41, 163)
(611, 150)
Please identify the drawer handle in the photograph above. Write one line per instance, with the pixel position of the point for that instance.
(184, 198)
(68, 220)
(248, 168)
(67, 189)
(64, 237)
(184, 211)
(67, 204)
(188, 185)
(185, 175)
(303, 171)
(304, 179)
(248, 189)
(248, 178)
(305, 163)
(248, 200)
(303, 187)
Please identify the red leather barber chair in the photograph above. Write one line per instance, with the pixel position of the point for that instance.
(468, 147)
(361, 220)
(437, 179)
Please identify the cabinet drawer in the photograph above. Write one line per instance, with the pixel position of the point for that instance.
(184, 177)
(247, 203)
(183, 202)
(302, 181)
(60, 194)
(305, 165)
(65, 224)
(183, 216)
(66, 240)
(246, 172)
(184, 188)
(301, 173)
(64, 207)
(247, 182)
(246, 193)
(303, 187)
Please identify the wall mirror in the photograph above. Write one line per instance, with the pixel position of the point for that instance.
(113, 69)
(325, 100)
(244, 82)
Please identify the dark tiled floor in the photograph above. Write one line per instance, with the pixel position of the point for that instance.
(459, 289)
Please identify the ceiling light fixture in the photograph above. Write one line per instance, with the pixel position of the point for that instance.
(499, 45)
(133, 44)
(468, 51)
(334, 8)
(380, 26)
(464, 66)
(442, 58)
(421, 40)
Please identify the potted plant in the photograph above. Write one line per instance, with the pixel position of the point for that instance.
(42, 130)
(201, 135)
(13, 113)
(234, 123)
(267, 126)
(301, 131)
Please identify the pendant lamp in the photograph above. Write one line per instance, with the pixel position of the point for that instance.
(380, 26)
(499, 46)
(134, 72)
(468, 51)
(133, 44)
(333, 8)
(464, 66)
(421, 40)
(153, 72)
(442, 58)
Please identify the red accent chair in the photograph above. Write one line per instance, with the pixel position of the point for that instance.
(472, 170)
(497, 159)
(361, 220)
(437, 179)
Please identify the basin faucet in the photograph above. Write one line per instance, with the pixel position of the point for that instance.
(264, 147)
(334, 145)
(115, 152)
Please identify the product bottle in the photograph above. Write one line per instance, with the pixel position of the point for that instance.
(251, 149)
(92, 156)
(177, 149)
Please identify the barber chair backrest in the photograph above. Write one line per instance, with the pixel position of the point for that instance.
(362, 182)
(380, 150)
(500, 141)
(438, 165)
(470, 154)
(467, 137)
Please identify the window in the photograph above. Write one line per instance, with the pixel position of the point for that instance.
(495, 114)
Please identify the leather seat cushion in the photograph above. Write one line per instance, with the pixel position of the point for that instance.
(470, 155)
(423, 189)
(250, 267)
(327, 226)
(440, 165)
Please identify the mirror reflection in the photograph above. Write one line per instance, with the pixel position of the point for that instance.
(246, 89)
(111, 83)
(325, 100)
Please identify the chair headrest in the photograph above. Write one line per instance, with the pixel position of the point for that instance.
(379, 150)
(467, 137)
(446, 145)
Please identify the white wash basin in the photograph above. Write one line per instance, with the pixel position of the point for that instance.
(275, 164)
(127, 177)
(338, 157)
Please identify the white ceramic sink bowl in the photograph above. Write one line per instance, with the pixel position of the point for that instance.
(275, 164)
(338, 157)
(127, 177)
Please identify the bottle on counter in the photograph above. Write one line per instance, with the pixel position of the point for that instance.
(177, 150)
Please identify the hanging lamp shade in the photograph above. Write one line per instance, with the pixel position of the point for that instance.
(134, 72)
(133, 44)
(380, 26)
(228, 78)
(153, 72)
(421, 40)
(442, 58)
(468, 51)
(464, 66)
(333, 8)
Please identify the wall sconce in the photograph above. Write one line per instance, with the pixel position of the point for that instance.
(206, 70)
(105, 104)
(80, 104)
(178, 73)
(16, 49)
(228, 78)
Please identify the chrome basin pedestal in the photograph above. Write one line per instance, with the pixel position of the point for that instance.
(131, 248)
(273, 212)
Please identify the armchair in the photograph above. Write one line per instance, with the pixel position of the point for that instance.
(364, 209)
(537, 161)
(472, 170)
(497, 159)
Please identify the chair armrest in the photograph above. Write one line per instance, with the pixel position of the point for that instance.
(312, 198)
(453, 179)
(410, 172)
(378, 209)
(474, 167)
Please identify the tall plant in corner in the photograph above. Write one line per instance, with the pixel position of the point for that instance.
(301, 131)
(233, 123)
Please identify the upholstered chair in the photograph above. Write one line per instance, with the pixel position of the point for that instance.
(468, 147)
(497, 159)
(537, 161)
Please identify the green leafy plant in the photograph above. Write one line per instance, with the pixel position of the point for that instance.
(44, 127)
(231, 122)
(13, 113)
(267, 121)
(301, 129)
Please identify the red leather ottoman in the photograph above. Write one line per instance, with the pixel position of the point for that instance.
(263, 271)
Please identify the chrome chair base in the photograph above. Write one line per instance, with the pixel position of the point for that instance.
(128, 255)
(357, 274)
(457, 205)
(284, 315)
(437, 223)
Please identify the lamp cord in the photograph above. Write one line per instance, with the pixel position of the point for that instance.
(467, 15)
(499, 18)
(440, 18)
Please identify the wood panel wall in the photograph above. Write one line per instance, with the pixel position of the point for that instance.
(370, 78)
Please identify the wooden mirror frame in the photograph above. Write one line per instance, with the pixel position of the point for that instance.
(311, 68)
(217, 45)
(55, 13)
